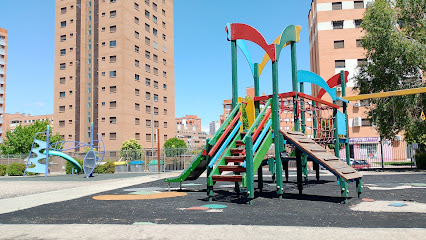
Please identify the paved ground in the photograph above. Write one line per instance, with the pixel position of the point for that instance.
(318, 207)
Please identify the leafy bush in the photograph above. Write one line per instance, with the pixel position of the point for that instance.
(174, 147)
(108, 167)
(69, 166)
(421, 160)
(3, 169)
(16, 169)
(131, 150)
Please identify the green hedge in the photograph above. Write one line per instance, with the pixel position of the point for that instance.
(3, 169)
(16, 169)
(69, 166)
(108, 167)
(421, 160)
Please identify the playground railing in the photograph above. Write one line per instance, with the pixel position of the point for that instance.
(257, 121)
(225, 124)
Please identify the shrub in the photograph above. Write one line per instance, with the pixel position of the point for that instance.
(108, 167)
(16, 169)
(421, 160)
(3, 169)
(69, 166)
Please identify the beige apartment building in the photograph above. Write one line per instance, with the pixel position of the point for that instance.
(334, 41)
(3, 67)
(114, 66)
(12, 120)
(189, 129)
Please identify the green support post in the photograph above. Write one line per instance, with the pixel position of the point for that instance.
(302, 116)
(344, 189)
(336, 133)
(209, 170)
(234, 73)
(315, 125)
(276, 125)
(249, 169)
(345, 111)
(294, 84)
(256, 87)
(359, 187)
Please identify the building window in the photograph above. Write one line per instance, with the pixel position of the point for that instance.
(136, 20)
(112, 136)
(147, 41)
(148, 137)
(358, 4)
(112, 14)
(113, 29)
(154, 6)
(136, 6)
(339, 63)
(147, 95)
(362, 62)
(112, 59)
(148, 123)
(165, 111)
(62, 66)
(163, 24)
(164, 49)
(137, 121)
(156, 71)
(164, 62)
(147, 68)
(63, 24)
(358, 23)
(163, 12)
(136, 92)
(112, 1)
(63, 10)
(155, 58)
(113, 89)
(155, 110)
(165, 124)
(147, 55)
(155, 84)
(137, 106)
(136, 48)
(337, 24)
(165, 99)
(156, 124)
(63, 38)
(155, 32)
(147, 2)
(337, 6)
(358, 43)
(155, 97)
(112, 120)
(63, 52)
(137, 136)
(62, 80)
(62, 123)
(147, 27)
(339, 44)
(164, 86)
(136, 77)
(61, 108)
(112, 74)
(164, 74)
(146, 14)
(136, 34)
(61, 94)
(136, 63)
(165, 137)
(155, 45)
(154, 19)
(148, 109)
(113, 43)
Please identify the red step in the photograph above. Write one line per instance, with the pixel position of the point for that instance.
(233, 168)
(239, 143)
(236, 150)
(227, 178)
(235, 159)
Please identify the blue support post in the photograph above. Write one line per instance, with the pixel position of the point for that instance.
(47, 150)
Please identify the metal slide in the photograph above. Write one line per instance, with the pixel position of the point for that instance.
(66, 157)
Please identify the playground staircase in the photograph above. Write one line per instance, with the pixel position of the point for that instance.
(237, 158)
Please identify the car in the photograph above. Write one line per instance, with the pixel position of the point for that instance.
(360, 164)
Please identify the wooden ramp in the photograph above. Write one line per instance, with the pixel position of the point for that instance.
(320, 155)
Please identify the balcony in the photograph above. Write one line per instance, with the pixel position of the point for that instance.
(1, 119)
(2, 51)
(1, 70)
(1, 80)
(3, 42)
(2, 61)
(1, 90)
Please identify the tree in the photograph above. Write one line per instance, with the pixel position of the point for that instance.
(131, 150)
(20, 140)
(395, 44)
(174, 147)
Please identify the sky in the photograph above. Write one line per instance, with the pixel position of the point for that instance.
(202, 52)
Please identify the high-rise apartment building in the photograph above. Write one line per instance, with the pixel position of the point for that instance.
(334, 41)
(114, 66)
(3, 67)
(213, 127)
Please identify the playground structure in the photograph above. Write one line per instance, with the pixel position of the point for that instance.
(38, 159)
(246, 149)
